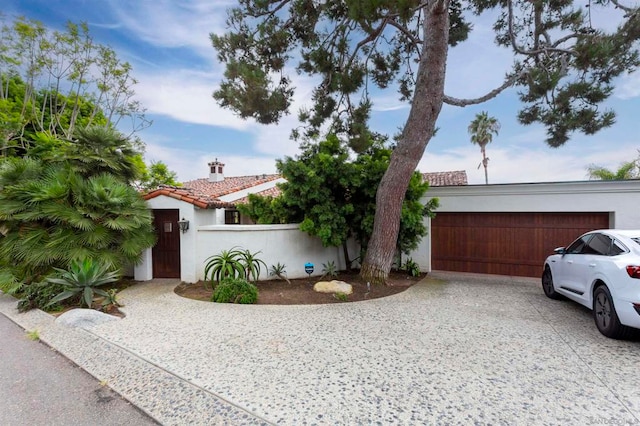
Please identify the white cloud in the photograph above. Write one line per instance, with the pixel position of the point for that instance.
(173, 24)
(185, 96)
(189, 164)
(628, 86)
(514, 164)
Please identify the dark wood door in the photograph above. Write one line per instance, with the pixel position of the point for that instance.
(505, 243)
(166, 253)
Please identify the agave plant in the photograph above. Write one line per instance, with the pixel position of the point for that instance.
(252, 264)
(279, 270)
(82, 279)
(225, 264)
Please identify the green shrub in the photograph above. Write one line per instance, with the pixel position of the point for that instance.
(412, 268)
(235, 290)
(38, 296)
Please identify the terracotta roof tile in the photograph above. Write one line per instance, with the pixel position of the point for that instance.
(271, 192)
(190, 196)
(453, 178)
(229, 185)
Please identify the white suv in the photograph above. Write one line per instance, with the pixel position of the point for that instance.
(600, 270)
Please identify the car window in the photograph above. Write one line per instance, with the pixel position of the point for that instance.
(578, 245)
(617, 248)
(599, 244)
(636, 240)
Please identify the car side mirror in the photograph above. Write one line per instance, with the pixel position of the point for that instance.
(560, 250)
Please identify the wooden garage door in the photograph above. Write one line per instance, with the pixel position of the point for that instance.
(505, 243)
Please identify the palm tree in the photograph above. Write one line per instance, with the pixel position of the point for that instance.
(628, 170)
(53, 215)
(482, 129)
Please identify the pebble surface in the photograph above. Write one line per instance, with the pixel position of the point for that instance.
(454, 350)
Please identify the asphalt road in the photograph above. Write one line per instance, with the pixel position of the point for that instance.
(38, 386)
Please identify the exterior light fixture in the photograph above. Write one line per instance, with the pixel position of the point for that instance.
(183, 225)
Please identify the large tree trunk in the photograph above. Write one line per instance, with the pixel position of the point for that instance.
(425, 108)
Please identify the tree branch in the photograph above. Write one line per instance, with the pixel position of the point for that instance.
(492, 94)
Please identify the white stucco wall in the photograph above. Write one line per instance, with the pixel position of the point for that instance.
(277, 243)
(619, 198)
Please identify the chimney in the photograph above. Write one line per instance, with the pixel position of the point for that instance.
(216, 169)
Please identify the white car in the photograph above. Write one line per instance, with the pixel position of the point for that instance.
(600, 270)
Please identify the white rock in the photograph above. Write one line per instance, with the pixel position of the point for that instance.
(334, 286)
(84, 318)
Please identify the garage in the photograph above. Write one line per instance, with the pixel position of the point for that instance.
(514, 243)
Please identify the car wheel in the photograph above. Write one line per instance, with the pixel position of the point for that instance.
(605, 316)
(547, 284)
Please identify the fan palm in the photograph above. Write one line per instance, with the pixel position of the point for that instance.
(482, 129)
(54, 216)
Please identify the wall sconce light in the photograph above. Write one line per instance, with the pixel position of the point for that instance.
(183, 225)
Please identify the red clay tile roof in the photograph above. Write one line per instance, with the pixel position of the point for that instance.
(190, 196)
(271, 192)
(453, 178)
(229, 185)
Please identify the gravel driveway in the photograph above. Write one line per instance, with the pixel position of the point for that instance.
(453, 349)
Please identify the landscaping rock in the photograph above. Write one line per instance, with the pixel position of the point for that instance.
(84, 318)
(334, 286)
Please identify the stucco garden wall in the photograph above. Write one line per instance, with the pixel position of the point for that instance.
(285, 244)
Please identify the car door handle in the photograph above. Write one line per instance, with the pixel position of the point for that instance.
(570, 262)
(592, 265)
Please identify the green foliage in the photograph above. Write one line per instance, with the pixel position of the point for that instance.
(329, 269)
(58, 81)
(627, 170)
(411, 267)
(226, 264)
(235, 290)
(39, 295)
(482, 129)
(156, 174)
(341, 297)
(33, 335)
(563, 67)
(82, 279)
(265, 210)
(334, 197)
(56, 212)
(252, 264)
(279, 270)
(110, 299)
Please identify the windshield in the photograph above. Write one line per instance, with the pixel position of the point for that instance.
(636, 240)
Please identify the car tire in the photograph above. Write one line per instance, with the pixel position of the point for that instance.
(547, 284)
(605, 316)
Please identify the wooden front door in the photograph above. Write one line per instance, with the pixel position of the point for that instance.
(166, 252)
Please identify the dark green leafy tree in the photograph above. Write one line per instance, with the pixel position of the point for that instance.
(482, 129)
(156, 174)
(333, 196)
(563, 67)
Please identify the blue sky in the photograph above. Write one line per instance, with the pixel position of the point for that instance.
(167, 43)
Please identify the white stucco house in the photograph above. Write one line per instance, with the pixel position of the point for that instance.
(505, 229)
(206, 210)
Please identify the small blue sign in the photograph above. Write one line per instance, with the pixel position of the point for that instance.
(308, 268)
